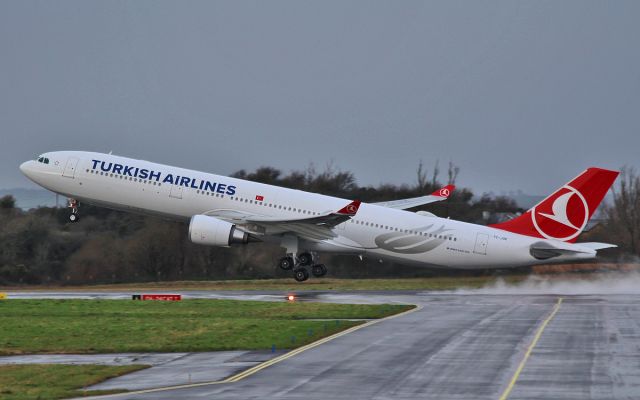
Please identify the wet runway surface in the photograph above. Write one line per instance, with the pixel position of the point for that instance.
(470, 346)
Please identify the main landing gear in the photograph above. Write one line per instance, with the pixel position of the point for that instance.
(73, 205)
(301, 266)
(300, 263)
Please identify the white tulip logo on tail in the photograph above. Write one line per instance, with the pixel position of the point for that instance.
(566, 217)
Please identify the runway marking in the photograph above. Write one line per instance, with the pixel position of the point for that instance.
(261, 366)
(541, 329)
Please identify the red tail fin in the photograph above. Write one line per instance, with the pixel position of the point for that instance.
(564, 214)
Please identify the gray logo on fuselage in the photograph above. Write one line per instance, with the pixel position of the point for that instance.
(412, 242)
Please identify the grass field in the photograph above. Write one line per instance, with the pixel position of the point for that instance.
(435, 283)
(27, 382)
(110, 326)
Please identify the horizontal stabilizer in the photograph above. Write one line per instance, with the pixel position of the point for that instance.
(546, 250)
(597, 245)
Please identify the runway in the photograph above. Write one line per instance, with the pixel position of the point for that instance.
(470, 346)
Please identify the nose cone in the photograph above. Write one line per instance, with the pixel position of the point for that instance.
(27, 168)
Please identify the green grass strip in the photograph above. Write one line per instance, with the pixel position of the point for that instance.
(53, 381)
(114, 326)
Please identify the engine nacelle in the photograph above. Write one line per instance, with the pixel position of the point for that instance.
(215, 232)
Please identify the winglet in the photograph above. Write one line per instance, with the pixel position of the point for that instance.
(350, 209)
(445, 191)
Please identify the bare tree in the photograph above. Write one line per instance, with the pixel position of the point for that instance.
(624, 214)
(436, 172)
(452, 173)
(422, 177)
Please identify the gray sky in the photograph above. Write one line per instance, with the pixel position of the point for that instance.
(521, 95)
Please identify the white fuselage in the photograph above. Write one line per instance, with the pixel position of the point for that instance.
(375, 231)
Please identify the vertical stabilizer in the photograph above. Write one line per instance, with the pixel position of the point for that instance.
(564, 215)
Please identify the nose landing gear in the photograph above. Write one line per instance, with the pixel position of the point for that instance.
(73, 205)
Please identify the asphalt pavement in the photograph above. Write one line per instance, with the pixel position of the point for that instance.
(455, 346)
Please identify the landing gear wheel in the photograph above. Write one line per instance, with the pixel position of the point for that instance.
(73, 205)
(286, 263)
(305, 259)
(319, 270)
(300, 274)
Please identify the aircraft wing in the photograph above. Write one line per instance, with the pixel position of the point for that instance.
(403, 204)
(317, 227)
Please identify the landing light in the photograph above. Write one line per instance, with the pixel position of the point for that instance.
(291, 297)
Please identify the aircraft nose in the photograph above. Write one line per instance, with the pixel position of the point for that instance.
(26, 167)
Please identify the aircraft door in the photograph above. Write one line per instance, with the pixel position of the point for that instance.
(481, 244)
(176, 192)
(70, 168)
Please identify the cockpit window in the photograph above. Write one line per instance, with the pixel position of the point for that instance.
(43, 160)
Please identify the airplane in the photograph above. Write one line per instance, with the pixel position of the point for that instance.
(224, 211)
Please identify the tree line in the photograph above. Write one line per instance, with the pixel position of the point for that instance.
(40, 246)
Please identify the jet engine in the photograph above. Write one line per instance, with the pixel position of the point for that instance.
(216, 232)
